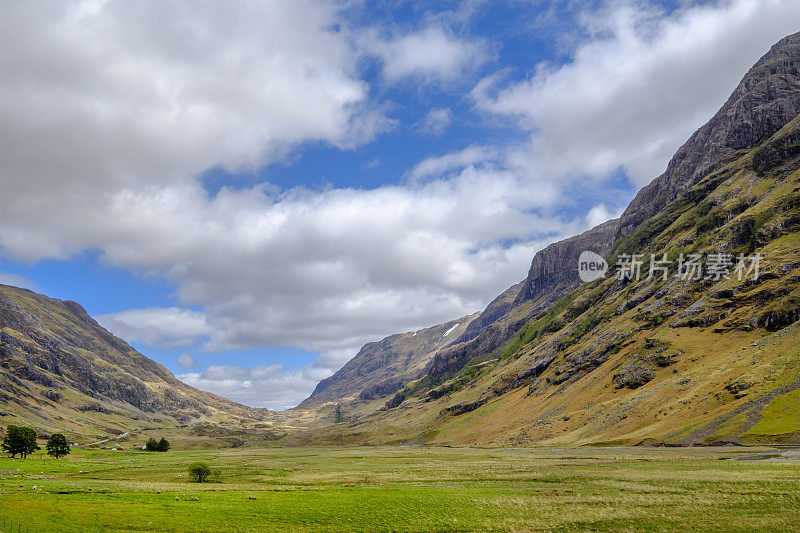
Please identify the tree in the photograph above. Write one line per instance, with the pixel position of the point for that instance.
(20, 440)
(337, 414)
(200, 472)
(57, 446)
(163, 445)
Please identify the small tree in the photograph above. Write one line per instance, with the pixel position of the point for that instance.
(151, 445)
(20, 440)
(200, 472)
(337, 414)
(163, 445)
(57, 446)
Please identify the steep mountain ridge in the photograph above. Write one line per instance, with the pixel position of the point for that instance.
(61, 371)
(767, 98)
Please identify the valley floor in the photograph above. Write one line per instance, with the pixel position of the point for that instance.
(407, 489)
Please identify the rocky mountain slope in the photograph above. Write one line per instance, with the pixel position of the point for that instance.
(382, 368)
(61, 371)
(680, 358)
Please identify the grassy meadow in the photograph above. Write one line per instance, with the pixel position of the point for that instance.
(405, 489)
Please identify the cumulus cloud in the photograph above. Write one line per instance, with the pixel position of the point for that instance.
(273, 386)
(168, 327)
(119, 94)
(322, 270)
(639, 85)
(111, 111)
(432, 54)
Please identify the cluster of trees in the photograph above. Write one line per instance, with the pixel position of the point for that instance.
(154, 445)
(21, 440)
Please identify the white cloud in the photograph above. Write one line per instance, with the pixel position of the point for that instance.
(640, 85)
(168, 327)
(186, 361)
(134, 93)
(599, 214)
(436, 121)
(273, 386)
(455, 162)
(320, 270)
(431, 54)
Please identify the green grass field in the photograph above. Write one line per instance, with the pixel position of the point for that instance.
(404, 489)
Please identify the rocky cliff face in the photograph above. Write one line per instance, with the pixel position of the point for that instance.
(554, 270)
(57, 363)
(766, 99)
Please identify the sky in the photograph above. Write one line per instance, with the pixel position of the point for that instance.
(249, 191)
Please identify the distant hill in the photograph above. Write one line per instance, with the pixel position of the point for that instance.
(649, 360)
(61, 371)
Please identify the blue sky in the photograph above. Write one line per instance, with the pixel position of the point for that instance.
(249, 195)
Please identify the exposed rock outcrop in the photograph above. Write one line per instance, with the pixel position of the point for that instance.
(554, 270)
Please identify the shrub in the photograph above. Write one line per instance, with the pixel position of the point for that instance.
(200, 472)
(57, 446)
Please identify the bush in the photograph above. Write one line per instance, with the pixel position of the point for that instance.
(200, 472)
(20, 440)
(57, 446)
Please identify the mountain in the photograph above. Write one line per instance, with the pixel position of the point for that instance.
(382, 368)
(654, 359)
(61, 371)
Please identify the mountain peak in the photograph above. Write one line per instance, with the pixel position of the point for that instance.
(766, 99)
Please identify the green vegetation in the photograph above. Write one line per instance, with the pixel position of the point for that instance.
(57, 446)
(780, 418)
(200, 472)
(154, 445)
(20, 440)
(405, 489)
